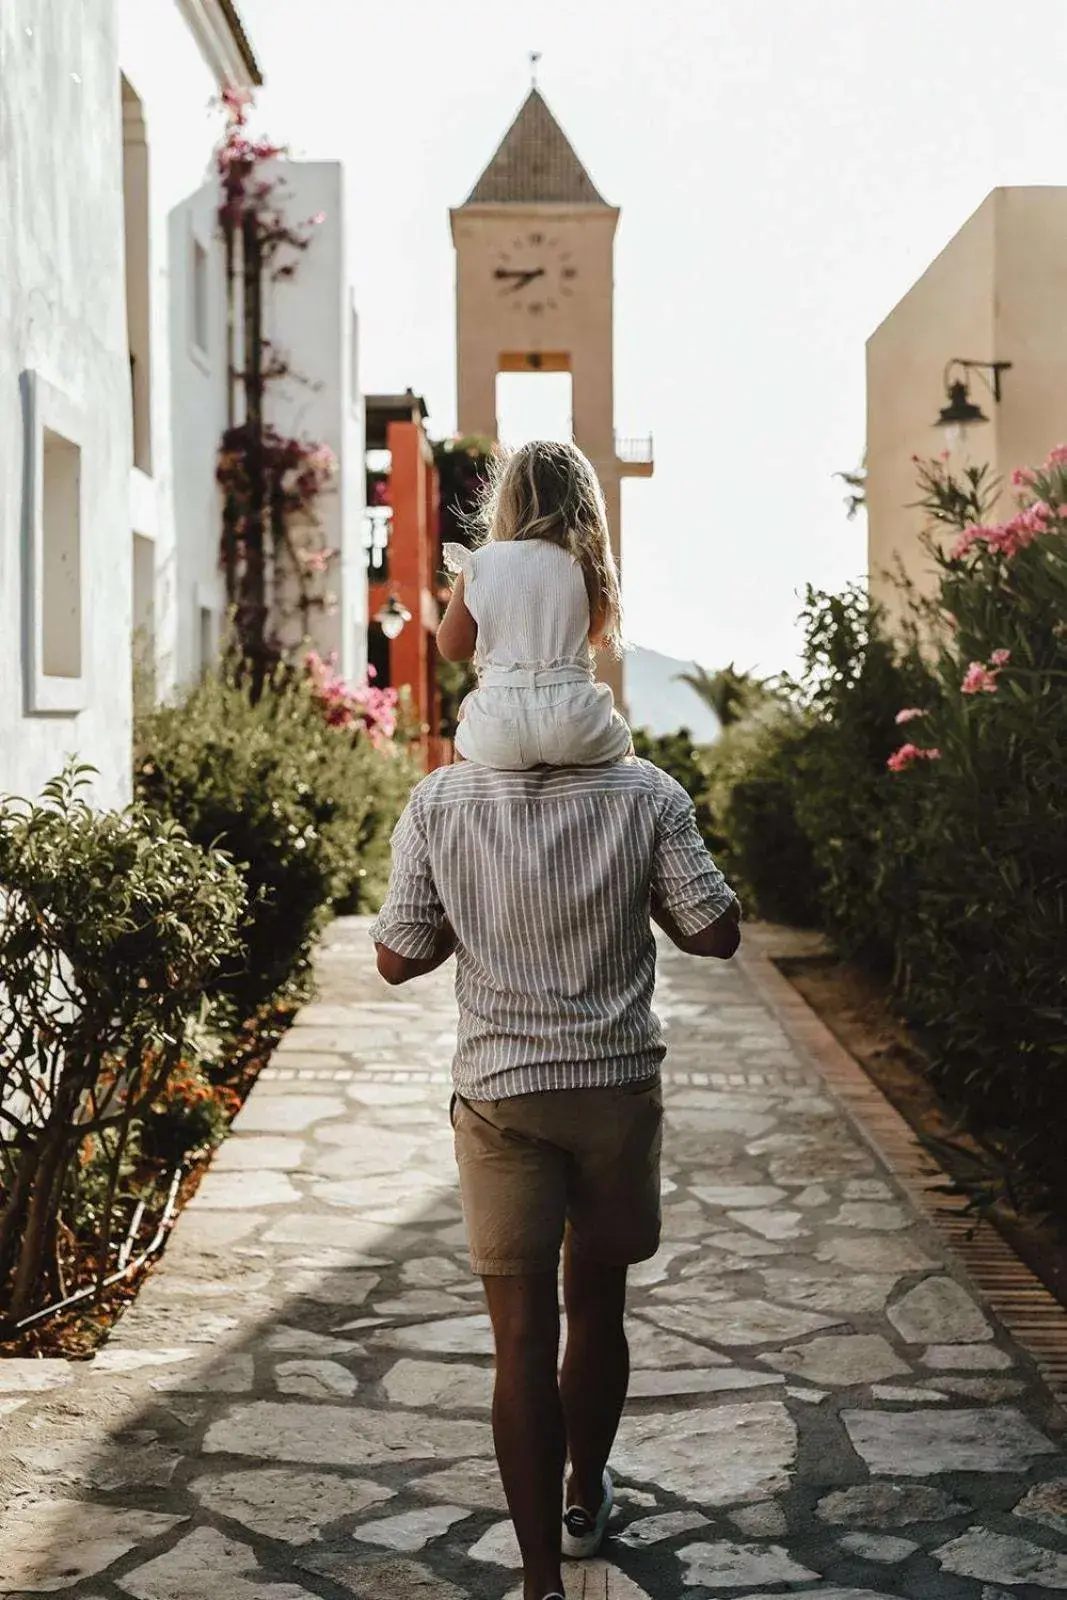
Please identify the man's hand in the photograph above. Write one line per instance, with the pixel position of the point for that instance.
(720, 938)
(401, 969)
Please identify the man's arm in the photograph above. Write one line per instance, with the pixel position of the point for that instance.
(720, 938)
(690, 899)
(396, 968)
(411, 933)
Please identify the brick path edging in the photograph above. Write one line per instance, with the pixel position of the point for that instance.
(1033, 1316)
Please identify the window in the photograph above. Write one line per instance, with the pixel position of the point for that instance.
(200, 328)
(54, 533)
(353, 356)
(208, 643)
(61, 612)
(143, 640)
(135, 196)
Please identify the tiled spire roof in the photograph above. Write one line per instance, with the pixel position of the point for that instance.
(535, 164)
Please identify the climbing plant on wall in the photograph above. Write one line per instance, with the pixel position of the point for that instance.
(273, 554)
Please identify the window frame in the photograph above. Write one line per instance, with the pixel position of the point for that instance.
(47, 409)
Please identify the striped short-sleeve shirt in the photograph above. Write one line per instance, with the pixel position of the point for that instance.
(547, 878)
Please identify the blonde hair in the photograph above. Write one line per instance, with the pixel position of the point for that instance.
(546, 490)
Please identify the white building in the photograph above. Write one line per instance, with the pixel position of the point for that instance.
(311, 321)
(115, 380)
(107, 282)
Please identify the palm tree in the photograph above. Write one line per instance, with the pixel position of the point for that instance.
(729, 693)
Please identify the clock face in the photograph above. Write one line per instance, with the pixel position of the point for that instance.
(535, 273)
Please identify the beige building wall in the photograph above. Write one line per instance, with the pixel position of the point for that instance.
(997, 292)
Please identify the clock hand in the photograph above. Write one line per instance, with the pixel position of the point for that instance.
(522, 278)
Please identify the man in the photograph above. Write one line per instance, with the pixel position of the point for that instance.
(543, 884)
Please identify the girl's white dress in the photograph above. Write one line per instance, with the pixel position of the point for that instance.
(537, 702)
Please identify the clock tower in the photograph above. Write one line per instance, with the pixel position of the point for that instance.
(535, 246)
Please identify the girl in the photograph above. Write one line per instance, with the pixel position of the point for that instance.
(531, 605)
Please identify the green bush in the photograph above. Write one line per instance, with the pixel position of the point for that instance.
(114, 925)
(677, 755)
(751, 791)
(982, 824)
(303, 807)
(925, 778)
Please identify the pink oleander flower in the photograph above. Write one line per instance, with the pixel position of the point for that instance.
(909, 714)
(909, 754)
(1000, 658)
(1057, 456)
(965, 542)
(317, 220)
(979, 680)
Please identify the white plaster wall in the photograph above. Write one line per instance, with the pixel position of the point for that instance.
(309, 318)
(178, 91)
(62, 312)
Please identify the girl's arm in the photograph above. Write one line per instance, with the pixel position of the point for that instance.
(598, 618)
(457, 637)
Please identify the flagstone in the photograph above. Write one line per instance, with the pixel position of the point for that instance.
(668, 1525)
(366, 1577)
(318, 1379)
(498, 1547)
(1002, 1558)
(431, 1384)
(471, 1335)
(343, 1436)
(203, 1566)
(465, 1483)
(710, 1455)
(594, 1580)
(897, 1253)
(738, 1322)
(886, 1504)
(27, 1375)
(840, 1359)
(965, 1358)
(651, 1347)
(282, 1503)
(769, 1224)
(726, 1565)
(700, 1380)
(55, 1544)
(1045, 1503)
(914, 1444)
(874, 1214)
(259, 1152)
(857, 1294)
(288, 1113)
(763, 1520)
(411, 1530)
(878, 1546)
(938, 1311)
(739, 1195)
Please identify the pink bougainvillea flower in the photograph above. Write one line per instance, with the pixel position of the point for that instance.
(317, 220)
(1000, 658)
(979, 680)
(909, 714)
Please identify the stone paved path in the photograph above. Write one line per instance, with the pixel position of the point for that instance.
(298, 1405)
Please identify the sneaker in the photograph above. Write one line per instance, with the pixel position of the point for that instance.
(582, 1534)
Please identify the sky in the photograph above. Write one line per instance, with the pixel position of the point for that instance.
(786, 169)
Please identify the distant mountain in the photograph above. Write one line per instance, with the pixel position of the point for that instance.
(657, 702)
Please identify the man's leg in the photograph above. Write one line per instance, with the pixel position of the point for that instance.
(596, 1372)
(528, 1420)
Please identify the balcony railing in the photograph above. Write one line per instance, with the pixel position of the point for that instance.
(636, 451)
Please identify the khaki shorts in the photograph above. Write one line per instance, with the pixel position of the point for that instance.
(534, 1164)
